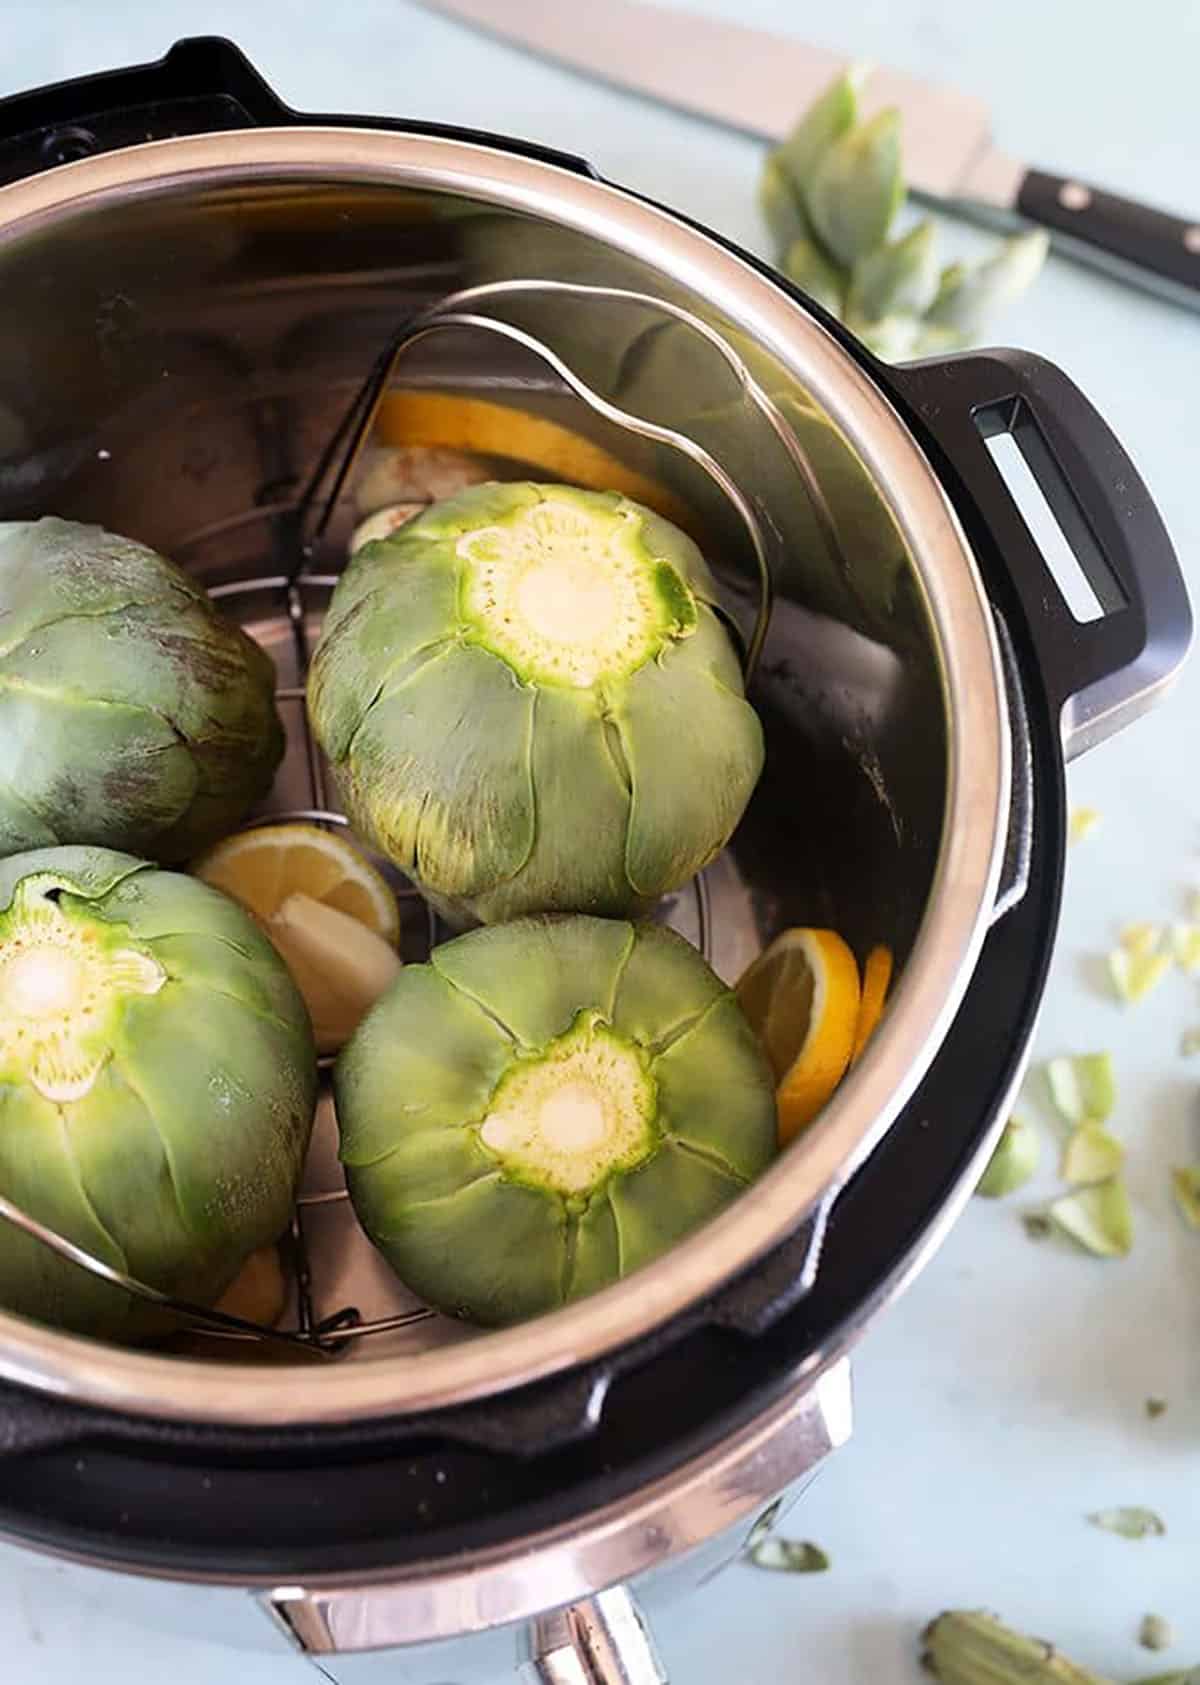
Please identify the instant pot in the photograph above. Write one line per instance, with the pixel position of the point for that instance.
(210, 302)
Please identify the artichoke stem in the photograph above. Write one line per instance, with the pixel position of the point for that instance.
(968, 1648)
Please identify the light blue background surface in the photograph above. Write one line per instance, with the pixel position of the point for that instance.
(1002, 1399)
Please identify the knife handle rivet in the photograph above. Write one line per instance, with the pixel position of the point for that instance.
(1191, 239)
(1073, 196)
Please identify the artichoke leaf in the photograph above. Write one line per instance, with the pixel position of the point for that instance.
(661, 989)
(827, 120)
(966, 299)
(710, 1073)
(856, 189)
(565, 871)
(665, 1199)
(439, 772)
(672, 718)
(806, 264)
(532, 975)
(436, 1248)
(426, 1057)
(899, 278)
(233, 1109)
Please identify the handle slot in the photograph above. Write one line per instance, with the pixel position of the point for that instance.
(1056, 523)
(1102, 672)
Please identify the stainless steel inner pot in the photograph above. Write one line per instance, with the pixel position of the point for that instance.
(184, 325)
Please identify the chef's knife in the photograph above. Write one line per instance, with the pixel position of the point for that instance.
(758, 82)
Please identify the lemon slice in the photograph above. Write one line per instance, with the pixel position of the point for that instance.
(262, 867)
(877, 976)
(453, 422)
(258, 1291)
(802, 997)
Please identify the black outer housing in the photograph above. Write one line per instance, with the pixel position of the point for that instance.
(296, 1503)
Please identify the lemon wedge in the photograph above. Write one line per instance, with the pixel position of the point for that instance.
(258, 1291)
(331, 916)
(340, 967)
(262, 867)
(802, 998)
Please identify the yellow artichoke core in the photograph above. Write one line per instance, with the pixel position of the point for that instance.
(63, 978)
(570, 1115)
(568, 595)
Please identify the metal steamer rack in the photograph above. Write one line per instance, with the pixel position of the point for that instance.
(300, 529)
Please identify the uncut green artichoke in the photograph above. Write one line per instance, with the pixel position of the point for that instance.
(546, 1106)
(132, 715)
(157, 1084)
(830, 193)
(531, 705)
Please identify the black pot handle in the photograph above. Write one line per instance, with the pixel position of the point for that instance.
(202, 85)
(1100, 673)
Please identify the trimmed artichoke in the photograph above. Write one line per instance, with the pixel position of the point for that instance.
(546, 1106)
(132, 715)
(532, 706)
(157, 1084)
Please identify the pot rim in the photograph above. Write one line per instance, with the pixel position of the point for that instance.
(960, 902)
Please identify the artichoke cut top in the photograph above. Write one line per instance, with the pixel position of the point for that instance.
(157, 1082)
(546, 1106)
(570, 595)
(531, 704)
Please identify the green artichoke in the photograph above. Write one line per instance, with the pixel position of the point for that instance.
(829, 195)
(546, 1106)
(132, 715)
(532, 706)
(157, 1084)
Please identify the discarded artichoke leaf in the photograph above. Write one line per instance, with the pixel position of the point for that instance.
(1083, 1086)
(1084, 821)
(1135, 975)
(968, 1647)
(788, 1556)
(1097, 1218)
(1130, 1521)
(892, 339)
(1189, 1042)
(1091, 1155)
(933, 341)
(1185, 1181)
(1156, 1407)
(897, 279)
(1185, 945)
(1013, 1162)
(763, 1526)
(966, 298)
(1142, 939)
(780, 203)
(806, 264)
(825, 121)
(1155, 1633)
(856, 188)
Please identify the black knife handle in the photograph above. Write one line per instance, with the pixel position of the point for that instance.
(1128, 232)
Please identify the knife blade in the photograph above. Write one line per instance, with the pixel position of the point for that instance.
(759, 82)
